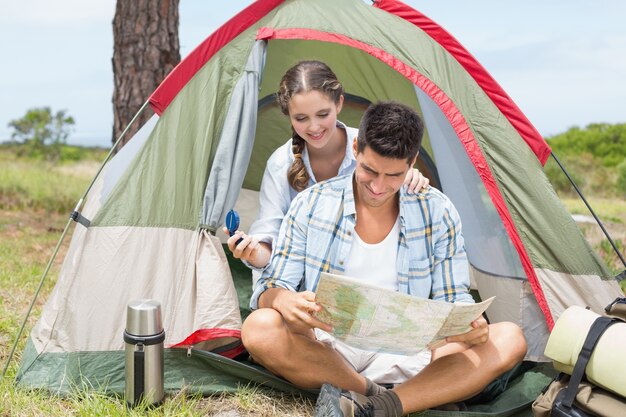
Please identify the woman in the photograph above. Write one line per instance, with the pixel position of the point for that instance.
(312, 97)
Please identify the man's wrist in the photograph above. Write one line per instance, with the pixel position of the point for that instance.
(270, 298)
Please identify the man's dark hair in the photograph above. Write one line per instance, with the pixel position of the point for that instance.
(392, 130)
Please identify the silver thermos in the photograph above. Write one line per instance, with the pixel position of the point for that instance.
(144, 336)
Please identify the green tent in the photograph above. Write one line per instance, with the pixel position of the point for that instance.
(147, 227)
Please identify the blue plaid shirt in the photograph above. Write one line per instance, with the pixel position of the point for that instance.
(316, 236)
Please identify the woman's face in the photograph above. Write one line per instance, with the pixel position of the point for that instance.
(313, 116)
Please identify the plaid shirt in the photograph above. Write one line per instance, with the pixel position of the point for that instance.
(316, 236)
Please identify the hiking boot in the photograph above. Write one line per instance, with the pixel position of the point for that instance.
(333, 403)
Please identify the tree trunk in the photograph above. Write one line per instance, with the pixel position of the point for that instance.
(146, 49)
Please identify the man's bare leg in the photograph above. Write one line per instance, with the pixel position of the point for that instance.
(458, 372)
(296, 355)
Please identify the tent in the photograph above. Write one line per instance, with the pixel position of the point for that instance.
(147, 227)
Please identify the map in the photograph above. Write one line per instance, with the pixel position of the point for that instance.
(376, 319)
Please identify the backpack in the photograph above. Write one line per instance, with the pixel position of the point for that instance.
(573, 395)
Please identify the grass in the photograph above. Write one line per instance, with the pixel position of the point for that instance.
(246, 402)
(35, 201)
(48, 187)
(609, 210)
(612, 214)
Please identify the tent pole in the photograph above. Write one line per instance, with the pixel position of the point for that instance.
(606, 233)
(58, 246)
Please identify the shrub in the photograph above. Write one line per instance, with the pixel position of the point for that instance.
(42, 132)
(72, 153)
(558, 178)
(621, 178)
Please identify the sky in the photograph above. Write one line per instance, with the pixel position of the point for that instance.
(563, 62)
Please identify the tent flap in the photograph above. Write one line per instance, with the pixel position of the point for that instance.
(236, 141)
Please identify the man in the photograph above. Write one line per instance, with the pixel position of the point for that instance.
(364, 225)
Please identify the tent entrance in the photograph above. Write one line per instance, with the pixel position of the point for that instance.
(367, 79)
(269, 114)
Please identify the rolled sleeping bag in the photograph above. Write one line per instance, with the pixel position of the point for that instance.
(607, 365)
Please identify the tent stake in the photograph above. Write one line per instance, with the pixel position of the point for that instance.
(606, 233)
(58, 246)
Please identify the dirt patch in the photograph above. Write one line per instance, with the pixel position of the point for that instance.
(33, 219)
(33, 233)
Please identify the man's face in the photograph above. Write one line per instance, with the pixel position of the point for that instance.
(377, 178)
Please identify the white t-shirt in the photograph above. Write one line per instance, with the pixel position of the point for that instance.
(375, 263)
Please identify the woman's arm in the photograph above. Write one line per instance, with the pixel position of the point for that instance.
(274, 200)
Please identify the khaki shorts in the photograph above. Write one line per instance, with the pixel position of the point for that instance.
(382, 368)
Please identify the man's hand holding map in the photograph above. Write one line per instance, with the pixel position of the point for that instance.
(377, 319)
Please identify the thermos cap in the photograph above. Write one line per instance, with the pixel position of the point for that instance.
(143, 317)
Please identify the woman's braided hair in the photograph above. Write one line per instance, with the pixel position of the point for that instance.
(303, 77)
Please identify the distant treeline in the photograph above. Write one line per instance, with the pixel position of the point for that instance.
(66, 153)
(595, 156)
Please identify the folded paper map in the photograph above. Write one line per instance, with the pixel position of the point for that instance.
(376, 319)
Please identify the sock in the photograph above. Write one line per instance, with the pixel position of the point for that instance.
(373, 388)
(386, 403)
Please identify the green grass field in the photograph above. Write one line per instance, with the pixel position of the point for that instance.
(612, 214)
(35, 201)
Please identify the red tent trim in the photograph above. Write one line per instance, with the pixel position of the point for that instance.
(202, 335)
(499, 97)
(187, 68)
(458, 123)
